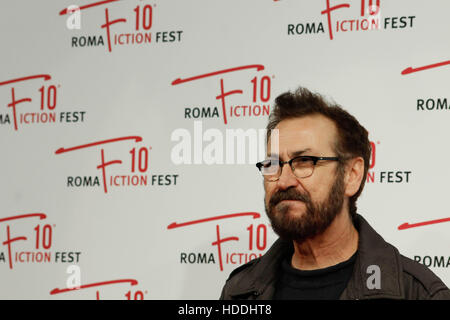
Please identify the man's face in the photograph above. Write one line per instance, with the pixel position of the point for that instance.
(302, 208)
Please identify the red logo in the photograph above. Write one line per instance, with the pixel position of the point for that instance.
(136, 26)
(367, 17)
(259, 91)
(257, 239)
(139, 163)
(130, 170)
(43, 104)
(41, 239)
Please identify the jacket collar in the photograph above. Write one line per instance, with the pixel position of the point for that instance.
(260, 278)
(374, 251)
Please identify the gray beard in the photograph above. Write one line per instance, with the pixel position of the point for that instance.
(316, 219)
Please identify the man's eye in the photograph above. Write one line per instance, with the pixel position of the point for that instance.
(301, 162)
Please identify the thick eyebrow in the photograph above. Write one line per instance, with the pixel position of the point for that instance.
(292, 154)
(299, 152)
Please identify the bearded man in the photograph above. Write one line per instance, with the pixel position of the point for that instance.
(325, 250)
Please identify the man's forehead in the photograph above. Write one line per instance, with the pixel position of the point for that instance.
(309, 122)
(309, 133)
(292, 154)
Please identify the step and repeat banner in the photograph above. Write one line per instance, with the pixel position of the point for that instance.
(129, 133)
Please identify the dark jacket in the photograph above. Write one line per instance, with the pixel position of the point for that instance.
(401, 277)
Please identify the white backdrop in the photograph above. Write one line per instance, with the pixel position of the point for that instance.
(67, 98)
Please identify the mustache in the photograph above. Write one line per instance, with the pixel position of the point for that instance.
(289, 194)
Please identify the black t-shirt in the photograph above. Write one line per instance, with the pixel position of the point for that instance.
(320, 284)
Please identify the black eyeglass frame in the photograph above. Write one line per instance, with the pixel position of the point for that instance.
(314, 159)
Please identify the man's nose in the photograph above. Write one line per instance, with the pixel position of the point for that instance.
(287, 178)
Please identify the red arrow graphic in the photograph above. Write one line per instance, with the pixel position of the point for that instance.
(430, 66)
(258, 67)
(64, 11)
(88, 145)
(406, 225)
(174, 225)
(132, 282)
(28, 215)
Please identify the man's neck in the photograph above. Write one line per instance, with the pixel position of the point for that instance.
(337, 244)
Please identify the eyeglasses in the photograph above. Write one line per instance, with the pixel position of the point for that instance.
(302, 166)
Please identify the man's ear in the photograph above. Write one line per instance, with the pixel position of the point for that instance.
(354, 175)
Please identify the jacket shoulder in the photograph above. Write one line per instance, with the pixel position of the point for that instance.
(235, 280)
(421, 283)
(242, 268)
